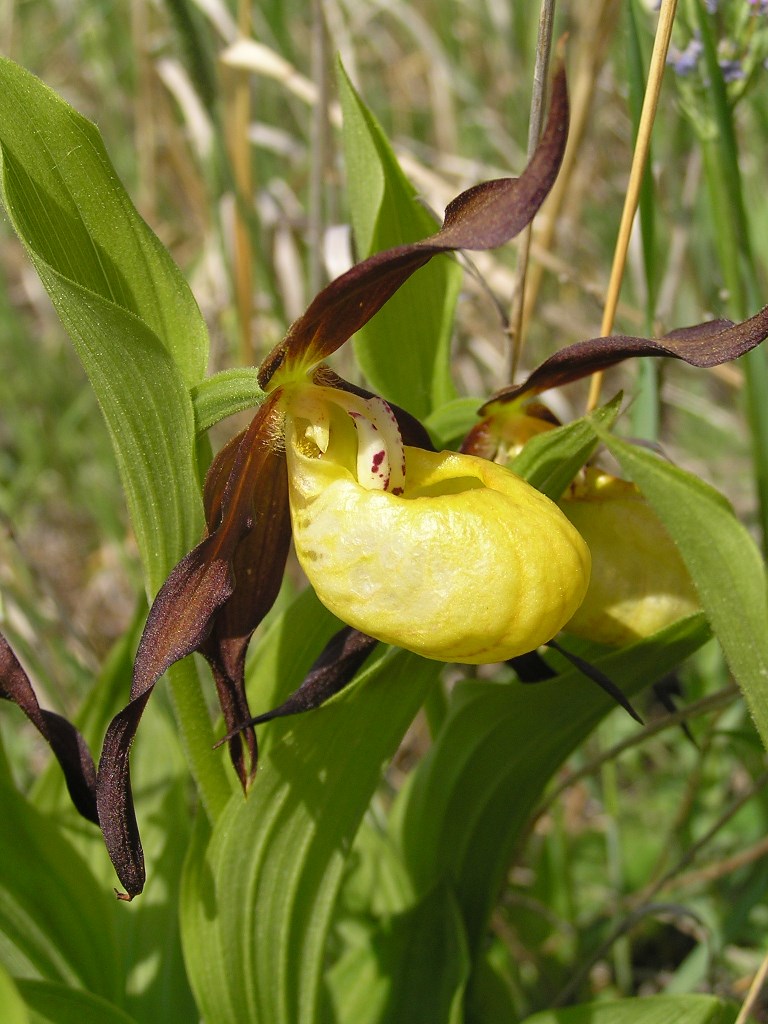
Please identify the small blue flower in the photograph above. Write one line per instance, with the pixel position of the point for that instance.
(685, 61)
(732, 70)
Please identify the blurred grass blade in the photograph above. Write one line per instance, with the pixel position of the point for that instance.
(692, 1009)
(644, 411)
(257, 899)
(723, 561)
(744, 286)
(14, 1007)
(405, 350)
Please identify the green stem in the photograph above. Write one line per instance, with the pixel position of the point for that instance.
(197, 738)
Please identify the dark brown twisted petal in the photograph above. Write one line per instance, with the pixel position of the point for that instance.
(334, 669)
(483, 217)
(63, 738)
(703, 345)
(184, 616)
(257, 565)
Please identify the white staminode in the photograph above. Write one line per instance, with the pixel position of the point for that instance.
(380, 452)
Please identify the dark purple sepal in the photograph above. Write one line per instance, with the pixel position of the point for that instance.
(703, 345)
(66, 742)
(484, 217)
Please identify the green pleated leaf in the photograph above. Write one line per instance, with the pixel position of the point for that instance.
(405, 350)
(693, 1009)
(49, 1003)
(258, 896)
(126, 306)
(723, 560)
(465, 806)
(56, 921)
(281, 658)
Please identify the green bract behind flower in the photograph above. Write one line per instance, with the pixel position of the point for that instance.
(463, 562)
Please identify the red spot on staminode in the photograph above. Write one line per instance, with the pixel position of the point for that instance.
(377, 460)
(397, 490)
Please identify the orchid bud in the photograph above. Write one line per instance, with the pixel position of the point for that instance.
(443, 554)
(639, 583)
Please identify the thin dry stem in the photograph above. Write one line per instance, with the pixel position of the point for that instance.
(639, 161)
(538, 97)
(590, 40)
(320, 147)
(750, 1003)
(144, 133)
(239, 108)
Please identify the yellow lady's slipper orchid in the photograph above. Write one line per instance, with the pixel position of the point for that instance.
(639, 583)
(443, 554)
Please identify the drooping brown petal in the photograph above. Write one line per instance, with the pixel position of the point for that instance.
(342, 656)
(703, 345)
(64, 739)
(180, 621)
(257, 565)
(483, 217)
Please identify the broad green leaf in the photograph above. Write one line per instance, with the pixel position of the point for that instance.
(257, 899)
(131, 317)
(551, 460)
(73, 214)
(134, 325)
(56, 922)
(465, 807)
(691, 1009)
(149, 416)
(412, 968)
(49, 1003)
(11, 1001)
(724, 563)
(224, 394)
(405, 350)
